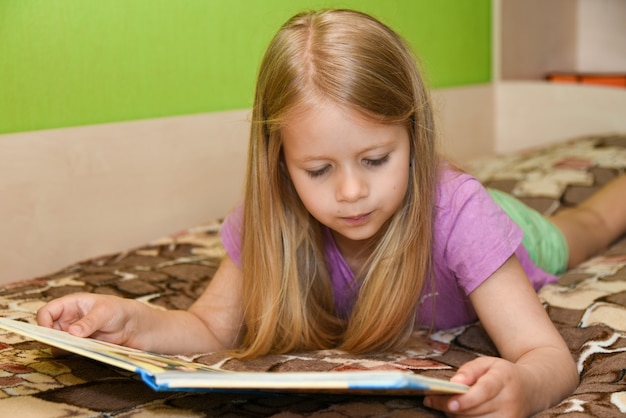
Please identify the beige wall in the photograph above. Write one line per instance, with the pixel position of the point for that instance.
(531, 114)
(536, 37)
(510, 116)
(601, 36)
(69, 194)
(464, 118)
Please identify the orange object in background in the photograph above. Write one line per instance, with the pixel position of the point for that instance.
(614, 80)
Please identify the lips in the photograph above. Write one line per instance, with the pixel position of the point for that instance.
(357, 219)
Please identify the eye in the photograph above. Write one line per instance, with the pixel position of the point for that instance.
(319, 172)
(376, 162)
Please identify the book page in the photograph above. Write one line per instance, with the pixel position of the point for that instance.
(163, 372)
(116, 355)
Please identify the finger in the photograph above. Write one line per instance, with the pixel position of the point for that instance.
(487, 387)
(467, 374)
(44, 316)
(56, 314)
(439, 402)
(470, 372)
(480, 391)
(476, 399)
(94, 319)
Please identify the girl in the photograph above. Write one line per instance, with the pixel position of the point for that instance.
(353, 232)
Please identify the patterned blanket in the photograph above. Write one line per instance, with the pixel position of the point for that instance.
(588, 305)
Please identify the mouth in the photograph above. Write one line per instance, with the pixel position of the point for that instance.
(357, 219)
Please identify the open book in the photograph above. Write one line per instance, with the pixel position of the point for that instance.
(170, 373)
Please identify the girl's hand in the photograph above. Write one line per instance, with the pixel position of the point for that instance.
(213, 323)
(536, 369)
(107, 318)
(497, 389)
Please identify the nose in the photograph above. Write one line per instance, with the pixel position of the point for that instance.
(351, 186)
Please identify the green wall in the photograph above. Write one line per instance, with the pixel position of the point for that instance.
(76, 62)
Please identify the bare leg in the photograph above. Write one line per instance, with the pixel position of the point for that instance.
(594, 224)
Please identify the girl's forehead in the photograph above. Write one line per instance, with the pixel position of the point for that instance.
(327, 130)
(323, 108)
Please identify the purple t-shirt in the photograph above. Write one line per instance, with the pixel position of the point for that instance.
(473, 237)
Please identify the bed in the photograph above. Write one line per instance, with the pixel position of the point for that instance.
(588, 306)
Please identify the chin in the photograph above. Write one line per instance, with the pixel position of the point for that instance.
(362, 235)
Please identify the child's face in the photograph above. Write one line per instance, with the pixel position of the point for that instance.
(351, 174)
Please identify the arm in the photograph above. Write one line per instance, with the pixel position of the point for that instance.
(212, 323)
(536, 369)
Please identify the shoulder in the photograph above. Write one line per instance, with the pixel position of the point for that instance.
(463, 208)
(456, 188)
(463, 205)
(472, 234)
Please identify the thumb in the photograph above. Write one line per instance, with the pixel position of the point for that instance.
(87, 325)
(470, 372)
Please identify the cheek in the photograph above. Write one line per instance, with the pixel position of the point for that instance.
(398, 181)
(303, 190)
(312, 203)
(297, 184)
(397, 188)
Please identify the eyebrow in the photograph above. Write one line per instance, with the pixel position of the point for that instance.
(308, 158)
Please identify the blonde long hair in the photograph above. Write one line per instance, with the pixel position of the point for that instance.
(358, 62)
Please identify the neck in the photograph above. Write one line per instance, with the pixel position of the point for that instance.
(356, 253)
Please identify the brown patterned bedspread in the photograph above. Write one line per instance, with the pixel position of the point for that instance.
(588, 306)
